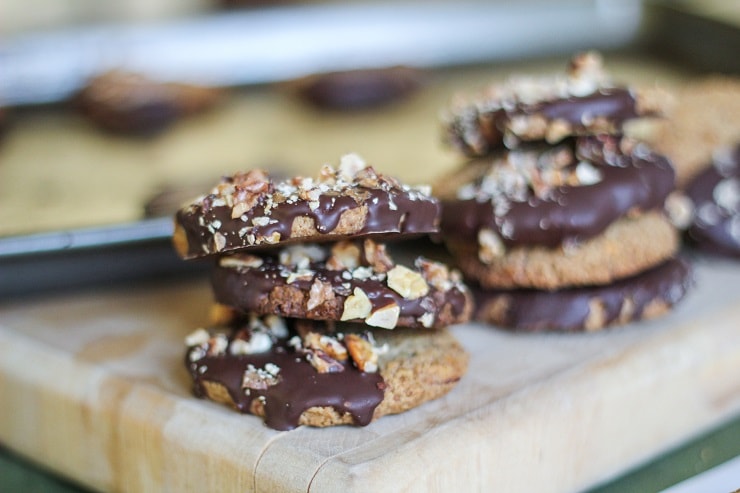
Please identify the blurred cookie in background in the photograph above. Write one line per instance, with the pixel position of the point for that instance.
(706, 117)
(715, 193)
(130, 103)
(358, 89)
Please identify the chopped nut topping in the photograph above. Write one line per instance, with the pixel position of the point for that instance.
(197, 338)
(356, 306)
(345, 255)
(491, 246)
(409, 284)
(329, 345)
(259, 342)
(680, 209)
(323, 362)
(377, 256)
(260, 378)
(301, 255)
(320, 293)
(350, 165)
(385, 317)
(364, 355)
(219, 242)
(240, 260)
(435, 273)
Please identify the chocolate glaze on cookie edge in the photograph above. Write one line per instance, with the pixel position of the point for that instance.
(717, 229)
(300, 388)
(567, 310)
(573, 213)
(248, 290)
(388, 212)
(613, 105)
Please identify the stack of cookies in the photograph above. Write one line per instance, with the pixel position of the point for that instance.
(558, 217)
(318, 325)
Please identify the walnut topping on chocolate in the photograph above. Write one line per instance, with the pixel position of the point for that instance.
(409, 284)
(581, 101)
(251, 210)
(517, 176)
(385, 317)
(356, 306)
(260, 378)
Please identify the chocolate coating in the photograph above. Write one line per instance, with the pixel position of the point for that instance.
(383, 207)
(300, 386)
(358, 89)
(571, 310)
(478, 131)
(275, 288)
(636, 180)
(130, 103)
(716, 196)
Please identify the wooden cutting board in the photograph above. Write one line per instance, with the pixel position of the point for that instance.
(94, 388)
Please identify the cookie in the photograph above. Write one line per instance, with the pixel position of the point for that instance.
(715, 193)
(296, 372)
(359, 89)
(646, 295)
(250, 210)
(347, 281)
(130, 103)
(587, 211)
(584, 101)
(705, 118)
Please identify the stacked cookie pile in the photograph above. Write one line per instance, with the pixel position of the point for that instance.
(323, 327)
(560, 218)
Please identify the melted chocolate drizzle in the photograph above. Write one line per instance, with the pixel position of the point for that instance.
(567, 309)
(248, 289)
(389, 212)
(300, 385)
(570, 214)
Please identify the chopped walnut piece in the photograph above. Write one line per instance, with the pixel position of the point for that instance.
(320, 293)
(258, 342)
(349, 166)
(330, 345)
(345, 255)
(435, 273)
(377, 256)
(249, 187)
(385, 317)
(197, 338)
(260, 378)
(323, 362)
(362, 352)
(240, 260)
(406, 282)
(219, 242)
(491, 246)
(217, 345)
(357, 305)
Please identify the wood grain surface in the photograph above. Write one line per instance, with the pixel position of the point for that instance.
(94, 388)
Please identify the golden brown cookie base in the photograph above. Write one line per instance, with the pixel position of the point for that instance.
(627, 247)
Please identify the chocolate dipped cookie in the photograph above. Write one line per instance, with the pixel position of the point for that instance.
(587, 211)
(705, 118)
(582, 101)
(647, 295)
(251, 210)
(130, 103)
(354, 281)
(298, 372)
(715, 193)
